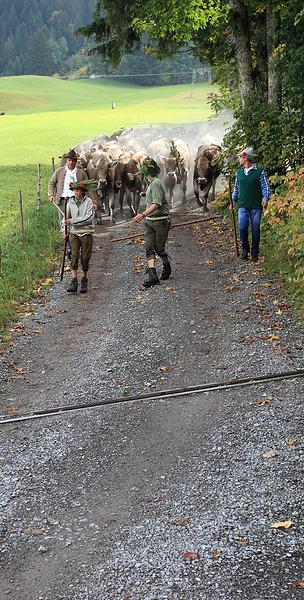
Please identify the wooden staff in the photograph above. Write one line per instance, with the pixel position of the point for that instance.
(135, 235)
(233, 218)
(66, 239)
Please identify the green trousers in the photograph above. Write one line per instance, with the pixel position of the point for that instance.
(81, 246)
(156, 235)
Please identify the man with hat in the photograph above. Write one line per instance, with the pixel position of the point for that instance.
(59, 184)
(251, 193)
(157, 223)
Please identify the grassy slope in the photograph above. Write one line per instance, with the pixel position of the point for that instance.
(45, 115)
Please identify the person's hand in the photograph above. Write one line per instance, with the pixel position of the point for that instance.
(264, 202)
(95, 205)
(52, 199)
(68, 222)
(139, 218)
(231, 207)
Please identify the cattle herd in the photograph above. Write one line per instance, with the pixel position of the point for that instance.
(117, 167)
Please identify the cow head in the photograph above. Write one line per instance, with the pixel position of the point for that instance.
(202, 182)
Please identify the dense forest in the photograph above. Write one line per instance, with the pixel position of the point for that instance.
(37, 37)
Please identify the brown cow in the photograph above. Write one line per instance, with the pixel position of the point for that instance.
(132, 181)
(206, 171)
(177, 166)
(99, 167)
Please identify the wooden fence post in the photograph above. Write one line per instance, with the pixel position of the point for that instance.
(21, 214)
(39, 187)
(53, 165)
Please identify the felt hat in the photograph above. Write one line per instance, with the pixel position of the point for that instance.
(248, 153)
(71, 154)
(149, 167)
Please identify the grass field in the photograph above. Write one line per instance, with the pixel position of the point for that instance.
(44, 115)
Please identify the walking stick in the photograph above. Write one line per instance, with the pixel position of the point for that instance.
(141, 234)
(233, 219)
(66, 239)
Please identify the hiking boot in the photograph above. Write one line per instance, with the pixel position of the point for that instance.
(254, 258)
(244, 255)
(166, 271)
(73, 285)
(152, 278)
(84, 285)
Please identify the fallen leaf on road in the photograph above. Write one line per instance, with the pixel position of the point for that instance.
(10, 409)
(264, 401)
(107, 274)
(169, 289)
(191, 555)
(165, 369)
(282, 525)
(38, 331)
(293, 441)
(299, 584)
(241, 542)
(231, 288)
(216, 552)
(272, 336)
(270, 454)
(259, 294)
(181, 522)
(31, 531)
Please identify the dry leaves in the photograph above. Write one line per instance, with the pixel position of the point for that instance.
(259, 294)
(191, 555)
(216, 552)
(282, 525)
(31, 531)
(292, 441)
(38, 331)
(181, 522)
(264, 401)
(231, 288)
(270, 454)
(10, 409)
(165, 369)
(170, 289)
(241, 542)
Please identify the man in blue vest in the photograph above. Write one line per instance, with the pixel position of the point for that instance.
(251, 193)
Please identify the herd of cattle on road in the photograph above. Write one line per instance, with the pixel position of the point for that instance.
(117, 168)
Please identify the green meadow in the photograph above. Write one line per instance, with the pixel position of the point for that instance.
(45, 115)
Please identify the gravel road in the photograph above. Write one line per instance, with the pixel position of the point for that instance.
(160, 499)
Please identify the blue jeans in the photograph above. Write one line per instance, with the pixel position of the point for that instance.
(252, 215)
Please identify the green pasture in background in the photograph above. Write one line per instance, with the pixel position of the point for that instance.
(45, 115)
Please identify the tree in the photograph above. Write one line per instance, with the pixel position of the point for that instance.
(39, 60)
(249, 44)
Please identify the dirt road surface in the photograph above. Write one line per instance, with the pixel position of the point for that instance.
(159, 499)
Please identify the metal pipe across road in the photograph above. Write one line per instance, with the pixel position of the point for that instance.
(186, 391)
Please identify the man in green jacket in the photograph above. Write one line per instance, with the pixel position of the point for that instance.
(157, 223)
(251, 193)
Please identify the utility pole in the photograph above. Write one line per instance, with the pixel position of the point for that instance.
(193, 81)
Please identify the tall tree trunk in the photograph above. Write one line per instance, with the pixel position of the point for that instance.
(259, 35)
(240, 28)
(273, 38)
